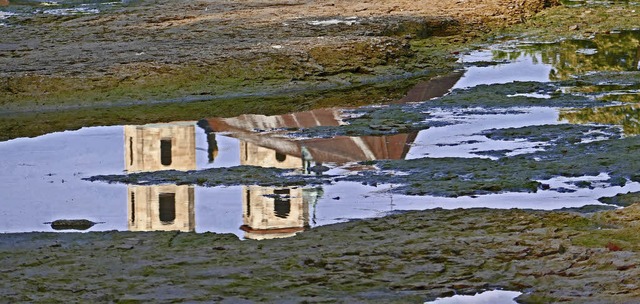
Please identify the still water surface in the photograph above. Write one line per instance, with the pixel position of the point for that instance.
(41, 178)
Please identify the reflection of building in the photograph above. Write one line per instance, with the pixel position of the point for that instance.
(275, 213)
(164, 207)
(160, 147)
(157, 147)
(272, 150)
(4, 2)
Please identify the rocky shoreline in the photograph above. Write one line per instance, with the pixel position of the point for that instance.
(404, 258)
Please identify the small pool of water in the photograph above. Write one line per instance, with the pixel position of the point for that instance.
(60, 8)
(41, 179)
(487, 297)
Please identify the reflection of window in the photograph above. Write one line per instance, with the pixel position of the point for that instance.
(131, 150)
(133, 207)
(246, 151)
(280, 157)
(248, 193)
(165, 152)
(167, 207)
(282, 204)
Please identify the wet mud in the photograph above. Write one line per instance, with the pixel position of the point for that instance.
(410, 257)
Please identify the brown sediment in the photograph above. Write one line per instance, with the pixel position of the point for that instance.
(176, 51)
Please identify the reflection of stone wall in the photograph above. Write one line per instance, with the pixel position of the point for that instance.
(160, 147)
(273, 213)
(165, 207)
(254, 155)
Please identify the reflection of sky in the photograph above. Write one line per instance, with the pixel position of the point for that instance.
(41, 179)
(522, 69)
(487, 297)
(461, 140)
(228, 151)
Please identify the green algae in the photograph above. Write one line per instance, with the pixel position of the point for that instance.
(560, 134)
(575, 22)
(456, 176)
(506, 96)
(622, 199)
(239, 175)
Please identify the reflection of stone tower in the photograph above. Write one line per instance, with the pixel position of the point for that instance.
(165, 207)
(254, 155)
(274, 213)
(160, 147)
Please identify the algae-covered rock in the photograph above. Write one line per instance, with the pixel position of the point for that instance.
(72, 224)
(622, 199)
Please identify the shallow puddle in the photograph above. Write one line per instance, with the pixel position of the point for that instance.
(42, 178)
(28, 8)
(487, 297)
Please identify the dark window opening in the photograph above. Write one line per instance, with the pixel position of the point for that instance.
(281, 157)
(246, 151)
(133, 207)
(282, 204)
(131, 150)
(167, 207)
(248, 194)
(165, 152)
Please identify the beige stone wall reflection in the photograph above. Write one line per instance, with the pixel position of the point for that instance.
(254, 155)
(160, 147)
(161, 208)
(274, 212)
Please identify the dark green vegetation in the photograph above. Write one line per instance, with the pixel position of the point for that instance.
(240, 175)
(566, 156)
(404, 258)
(623, 200)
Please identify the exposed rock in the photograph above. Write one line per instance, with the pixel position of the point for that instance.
(71, 224)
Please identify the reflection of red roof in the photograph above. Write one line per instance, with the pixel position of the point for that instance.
(435, 87)
(339, 149)
(246, 228)
(251, 122)
(347, 149)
